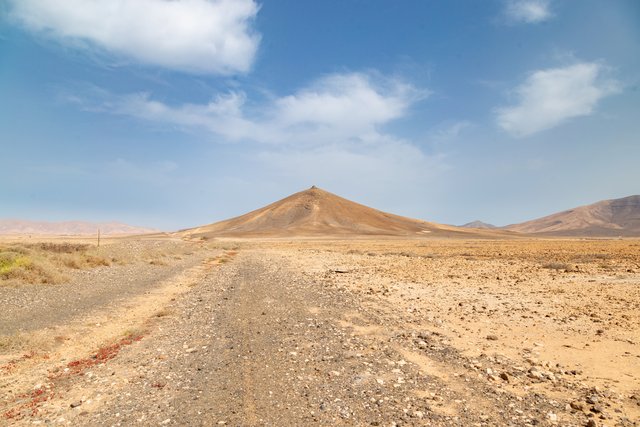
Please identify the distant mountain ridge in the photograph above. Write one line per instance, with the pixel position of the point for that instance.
(68, 228)
(478, 224)
(607, 218)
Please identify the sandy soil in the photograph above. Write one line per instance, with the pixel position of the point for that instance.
(432, 332)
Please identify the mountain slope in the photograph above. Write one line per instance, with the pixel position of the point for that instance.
(315, 212)
(16, 226)
(607, 218)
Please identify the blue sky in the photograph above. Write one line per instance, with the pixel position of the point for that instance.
(178, 113)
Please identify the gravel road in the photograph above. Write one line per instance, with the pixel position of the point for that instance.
(258, 341)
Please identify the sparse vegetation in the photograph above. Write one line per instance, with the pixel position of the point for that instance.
(45, 262)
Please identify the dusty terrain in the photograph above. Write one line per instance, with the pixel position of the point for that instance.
(344, 332)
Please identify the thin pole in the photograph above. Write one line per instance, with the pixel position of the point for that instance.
(98, 237)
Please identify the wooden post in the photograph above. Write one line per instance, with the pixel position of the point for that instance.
(98, 237)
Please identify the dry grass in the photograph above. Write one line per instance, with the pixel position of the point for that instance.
(25, 341)
(45, 263)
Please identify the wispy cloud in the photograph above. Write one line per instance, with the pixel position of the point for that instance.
(527, 11)
(550, 97)
(450, 131)
(198, 36)
(337, 108)
(383, 166)
(332, 132)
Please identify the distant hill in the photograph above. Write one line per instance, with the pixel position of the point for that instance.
(478, 224)
(608, 218)
(17, 226)
(316, 212)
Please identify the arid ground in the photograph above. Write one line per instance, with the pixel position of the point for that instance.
(441, 332)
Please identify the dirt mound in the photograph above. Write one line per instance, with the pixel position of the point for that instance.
(315, 212)
(608, 218)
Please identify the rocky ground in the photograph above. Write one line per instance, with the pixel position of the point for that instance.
(441, 333)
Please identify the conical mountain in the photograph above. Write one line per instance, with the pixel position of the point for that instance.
(316, 213)
(607, 218)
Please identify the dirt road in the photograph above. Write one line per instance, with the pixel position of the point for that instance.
(260, 340)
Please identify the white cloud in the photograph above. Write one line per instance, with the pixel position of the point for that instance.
(337, 108)
(528, 11)
(331, 133)
(549, 97)
(199, 36)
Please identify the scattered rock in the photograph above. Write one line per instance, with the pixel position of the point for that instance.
(578, 406)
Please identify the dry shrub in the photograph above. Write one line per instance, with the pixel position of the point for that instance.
(92, 261)
(44, 263)
(60, 248)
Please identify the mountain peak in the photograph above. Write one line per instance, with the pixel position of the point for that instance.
(317, 212)
(478, 224)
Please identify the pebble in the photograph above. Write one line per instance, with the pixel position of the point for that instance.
(592, 399)
(578, 406)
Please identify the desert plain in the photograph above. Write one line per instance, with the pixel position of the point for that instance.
(169, 330)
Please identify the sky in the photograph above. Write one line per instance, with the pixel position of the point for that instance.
(178, 113)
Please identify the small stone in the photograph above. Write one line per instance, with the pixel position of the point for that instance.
(76, 404)
(592, 399)
(591, 423)
(578, 406)
(505, 376)
(535, 374)
(596, 409)
(552, 417)
(191, 350)
(492, 337)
